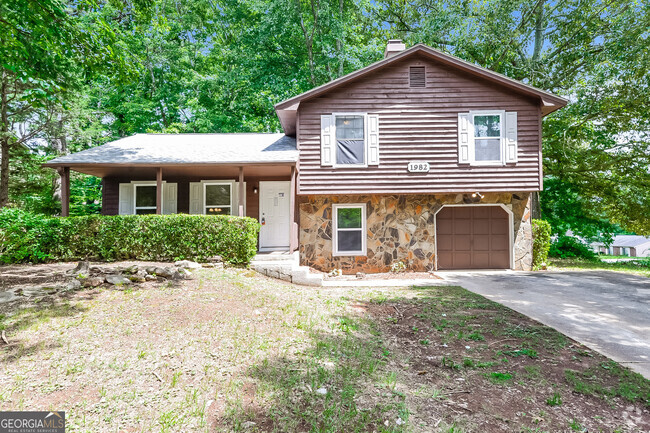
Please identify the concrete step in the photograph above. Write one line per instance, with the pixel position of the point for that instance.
(287, 269)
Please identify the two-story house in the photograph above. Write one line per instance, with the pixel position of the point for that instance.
(421, 157)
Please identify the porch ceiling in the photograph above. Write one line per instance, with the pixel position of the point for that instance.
(205, 171)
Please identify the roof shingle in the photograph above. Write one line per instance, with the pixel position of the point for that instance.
(146, 149)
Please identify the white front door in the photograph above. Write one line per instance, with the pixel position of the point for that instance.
(275, 215)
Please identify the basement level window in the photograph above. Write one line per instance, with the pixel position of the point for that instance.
(416, 76)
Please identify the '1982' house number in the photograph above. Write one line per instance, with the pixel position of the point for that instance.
(418, 167)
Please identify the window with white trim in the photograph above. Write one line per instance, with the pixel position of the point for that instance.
(488, 137)
(349, 229)
(144, 198)
(350, 139)
(217, 198)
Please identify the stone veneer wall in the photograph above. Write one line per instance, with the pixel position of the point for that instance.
(399, 228)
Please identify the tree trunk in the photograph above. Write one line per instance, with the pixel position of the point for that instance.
(4, 142)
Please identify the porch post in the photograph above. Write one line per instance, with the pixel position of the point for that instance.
(293, 232)
(159, 191)
(241, 191)
(65, 191)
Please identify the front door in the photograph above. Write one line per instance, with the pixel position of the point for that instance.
(275, 215)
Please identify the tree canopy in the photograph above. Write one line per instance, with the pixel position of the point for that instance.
(83, 73)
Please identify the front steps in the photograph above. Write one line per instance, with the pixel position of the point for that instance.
(285, 266)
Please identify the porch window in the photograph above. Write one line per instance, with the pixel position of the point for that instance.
(217, 198)
(349, 229)
(350, 140)
(488, 137)
(145, 199)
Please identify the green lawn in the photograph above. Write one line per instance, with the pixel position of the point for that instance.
(596, 264)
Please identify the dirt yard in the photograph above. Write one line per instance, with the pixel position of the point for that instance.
(231, 350)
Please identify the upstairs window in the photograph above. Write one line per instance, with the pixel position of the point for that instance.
(350, 140)
(145, 199)
(488, 135)
(417, 77)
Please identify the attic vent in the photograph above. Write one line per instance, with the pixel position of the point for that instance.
(416, 76)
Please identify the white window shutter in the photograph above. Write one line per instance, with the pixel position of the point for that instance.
(327, 145)
(126, 199)
(196, 198)
(373, 139)
(511, 137)
(170, 203)
(234, 210)
(465, 136)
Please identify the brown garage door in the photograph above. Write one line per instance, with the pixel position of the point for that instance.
(473, 237)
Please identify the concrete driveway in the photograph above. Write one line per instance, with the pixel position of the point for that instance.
(606, 311)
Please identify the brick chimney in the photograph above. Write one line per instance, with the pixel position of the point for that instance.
(394, 46)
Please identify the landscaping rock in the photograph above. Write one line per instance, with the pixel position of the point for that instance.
(73, 285)
(215, 259)
(185, 273)
(8, 296)
(92, 282)
(131, 269)
(176, 275)
(117, 280)
(150, 277)
(187, 264)
(164, 272)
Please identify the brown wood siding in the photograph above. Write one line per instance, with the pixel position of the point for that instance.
(111, 187)
(419, 124)
(110, 196)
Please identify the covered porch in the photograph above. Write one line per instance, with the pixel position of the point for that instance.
(251, 175)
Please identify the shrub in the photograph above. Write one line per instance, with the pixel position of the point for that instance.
(37, 238)
(568, 247)
(541, 243)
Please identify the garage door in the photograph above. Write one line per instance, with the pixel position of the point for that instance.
(473, 237)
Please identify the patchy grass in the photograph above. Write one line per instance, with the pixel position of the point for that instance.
(505, 380)
(642, 267)
(234, 351)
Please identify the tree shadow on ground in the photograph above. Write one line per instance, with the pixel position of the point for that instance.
(26, 313)
(336, 383)
(459, 358)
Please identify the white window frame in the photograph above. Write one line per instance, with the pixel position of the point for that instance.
(365, 140)
(502, 139)
(335, 230)
(205, 185)
(135, 196)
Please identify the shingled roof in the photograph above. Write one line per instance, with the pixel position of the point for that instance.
(161, 149)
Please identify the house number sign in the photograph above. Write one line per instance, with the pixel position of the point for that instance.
(418, 167)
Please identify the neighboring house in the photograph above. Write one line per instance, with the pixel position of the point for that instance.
(421, 158)
(625, 245)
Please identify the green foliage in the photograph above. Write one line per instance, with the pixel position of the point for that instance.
(568, 246)
(566, 209)
(80, 73)
(554, 400)
(541, 243)
(610, 379)
(35, 238)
